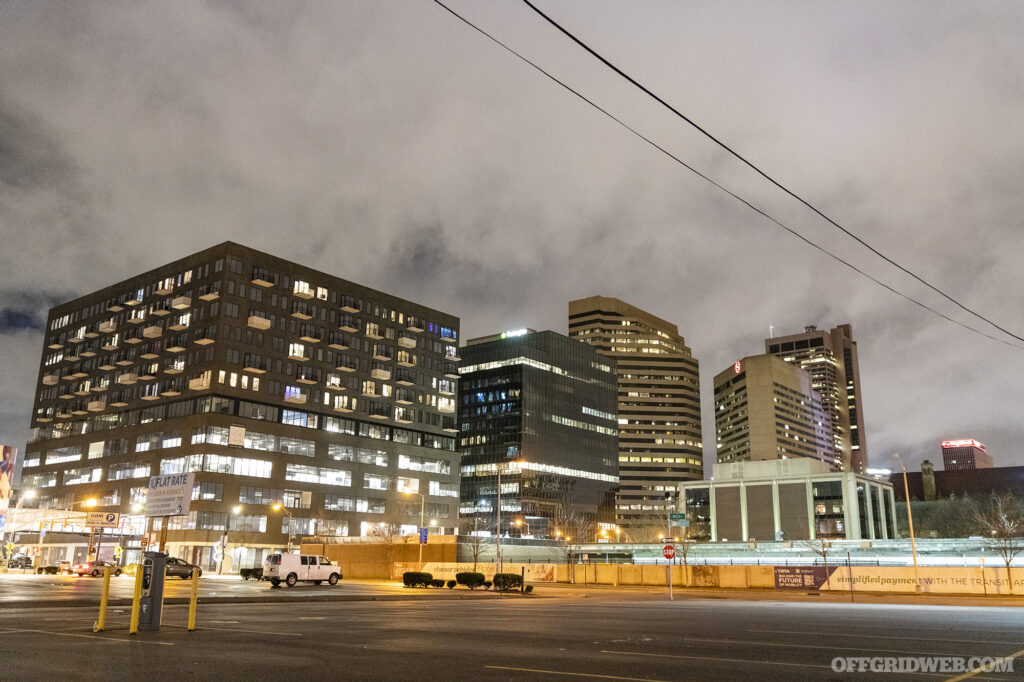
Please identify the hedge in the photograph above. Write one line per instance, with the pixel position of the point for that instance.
(470, 580)
(451, 584)
(437, 582)
(505, 582)
(416, 579)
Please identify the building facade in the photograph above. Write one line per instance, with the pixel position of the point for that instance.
(964, 454)
(766, 408)
(540, 408)
(831, 359)
(660, 442)
(793, 499)
(273, 382)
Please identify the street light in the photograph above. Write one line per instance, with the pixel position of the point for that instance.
(521, 524)
(409, 491)
(280, 507)
(910, 522)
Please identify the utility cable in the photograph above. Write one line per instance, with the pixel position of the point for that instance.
(763, 174)
(713, 182)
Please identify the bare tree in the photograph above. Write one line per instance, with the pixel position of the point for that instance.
(1002, 521)
(821, 547)
(474, 542)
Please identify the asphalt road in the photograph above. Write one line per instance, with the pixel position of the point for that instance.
(600, 636)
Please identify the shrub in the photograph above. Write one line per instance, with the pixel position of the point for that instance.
(469, 579)
(529, 589)
(487, 584)
(416, 579)
(451, 584)
(506, 582)
(437, 582)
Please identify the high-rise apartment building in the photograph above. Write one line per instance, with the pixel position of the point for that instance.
(766, 408)
(831, 358)
(658, 406)
(275, 383)
(959, 455)
(540, 408)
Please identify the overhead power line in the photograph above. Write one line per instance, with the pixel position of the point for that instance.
(765, 175)
(704, 177)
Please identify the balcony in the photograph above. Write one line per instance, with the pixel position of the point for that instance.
(82, 390)
(337, 341)
(175, 367)
(406, 360)
(310, 334)
(111, 344)
(371, 392)
(302, 311)
(127, 378)
(73, 357)
(66, 396)
(147, 374)
(175, 346)
(161, 309)
(55, 346)
(118, 400)
(263, 277)
(181, 302)
(96, 406)
(170, 392)
(256, 364)
(204, 337)
(405, 377)
(302, 290)
(344, 407)
(446, 390)
(382, 354)
(450, 355)
(152, 332)
(199, 384)
(448, 425)
(180, 324)
(150, 397)
(414, 324)
(50, 379)
(297, 357)
(379, 411)
(406, 342)
(165, 287)
(347, 365)
(403, 416)
(257, 322)
(348, 323)
(88, 353)
(106, 366)
(305, 376)
(78, 336)
(210, 292)
(404, 397)
(373, 332)
(381, 374)
(452, 371)
(296, 399)
(350, 304)
(149, 354)
(125, 361)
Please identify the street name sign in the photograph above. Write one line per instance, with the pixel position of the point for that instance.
(677, 517)
(169, 495)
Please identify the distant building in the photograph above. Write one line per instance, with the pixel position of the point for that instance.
(658, 406)
(540, 407)
(766, 408)
(958, 455)
(793, 499)
(831, 358)
(928, 484)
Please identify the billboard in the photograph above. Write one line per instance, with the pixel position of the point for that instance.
(8, 459)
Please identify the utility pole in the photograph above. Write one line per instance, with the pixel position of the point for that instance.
(910, 522)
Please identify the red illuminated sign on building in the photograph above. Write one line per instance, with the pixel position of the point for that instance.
(737, 367)
(964, 443)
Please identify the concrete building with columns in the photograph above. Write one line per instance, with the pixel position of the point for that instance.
(787, 499)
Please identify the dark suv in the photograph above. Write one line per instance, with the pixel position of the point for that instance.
(20, 562)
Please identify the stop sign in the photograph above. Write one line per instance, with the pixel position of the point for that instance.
(669, 551)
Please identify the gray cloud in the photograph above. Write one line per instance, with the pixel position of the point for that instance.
(387, 143)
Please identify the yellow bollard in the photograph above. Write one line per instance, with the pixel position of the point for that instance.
(102, 620)
(162, 598)
(193, 600)
(133, 624)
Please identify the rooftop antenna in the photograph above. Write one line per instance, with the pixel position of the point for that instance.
(771, 331)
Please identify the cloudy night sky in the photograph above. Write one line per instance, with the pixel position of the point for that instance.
(393, 145)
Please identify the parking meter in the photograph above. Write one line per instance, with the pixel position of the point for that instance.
(153, 564)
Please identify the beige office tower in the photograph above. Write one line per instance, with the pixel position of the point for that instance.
(766, 408)
(831, 358)
(659, 407)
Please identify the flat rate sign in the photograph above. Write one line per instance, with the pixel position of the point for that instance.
(169, 495)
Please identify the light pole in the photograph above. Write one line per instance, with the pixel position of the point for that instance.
(910, 522)
(281, 507)
(521, 524)
(419, 529)
(90, 503)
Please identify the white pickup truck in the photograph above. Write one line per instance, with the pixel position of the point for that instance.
(291, 568)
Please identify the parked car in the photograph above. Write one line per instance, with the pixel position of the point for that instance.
(20, 562)
(291, 568)
(95, 568)
(179, 568)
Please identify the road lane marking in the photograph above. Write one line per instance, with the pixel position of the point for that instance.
(738, 660)
(255, 632)
(985, 668)
(312, 617)
(805, 646)
(560, 672)
(919, 639)
(224, 622)
(71, 634)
